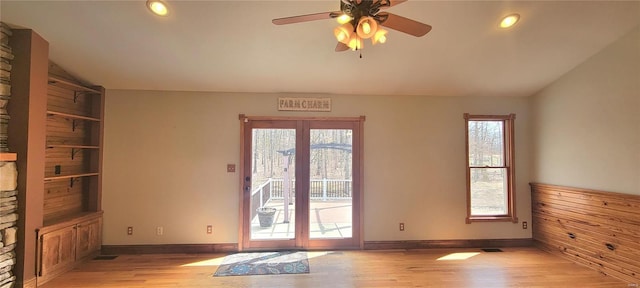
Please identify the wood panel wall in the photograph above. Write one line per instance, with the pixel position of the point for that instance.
(597, 229)
(62, 199)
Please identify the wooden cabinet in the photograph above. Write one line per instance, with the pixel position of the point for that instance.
(58, 251)
(88, 238)
(64, 245)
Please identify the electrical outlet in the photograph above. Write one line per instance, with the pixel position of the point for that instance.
(401, 226)
(209, 229)
(524, 225)
(159, 230)
(231, 168)
(130, 230)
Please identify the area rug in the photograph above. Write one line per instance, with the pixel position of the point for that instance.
(264, 263)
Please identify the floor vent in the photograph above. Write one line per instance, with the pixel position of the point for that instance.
(492, 250)
(105, 257)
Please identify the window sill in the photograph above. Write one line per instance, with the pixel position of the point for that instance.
(502, 218)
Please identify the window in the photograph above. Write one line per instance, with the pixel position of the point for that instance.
(490, 168)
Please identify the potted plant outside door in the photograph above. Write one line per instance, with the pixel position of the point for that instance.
(266, 216)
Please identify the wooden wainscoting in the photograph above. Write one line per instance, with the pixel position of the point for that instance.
(593, 228)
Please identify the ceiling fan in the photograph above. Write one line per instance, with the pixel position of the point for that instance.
(360, 19)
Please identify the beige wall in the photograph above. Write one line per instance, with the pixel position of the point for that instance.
(166, 153)
(587, 123)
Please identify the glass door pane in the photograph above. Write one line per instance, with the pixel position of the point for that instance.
(273, 184)
(330, 184)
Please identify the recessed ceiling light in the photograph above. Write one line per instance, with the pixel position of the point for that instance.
(509, 20)
(157, 7)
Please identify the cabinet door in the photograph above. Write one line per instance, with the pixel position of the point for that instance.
(58, 250)
(89, 240)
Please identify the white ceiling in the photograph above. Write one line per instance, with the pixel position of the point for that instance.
(232, 46)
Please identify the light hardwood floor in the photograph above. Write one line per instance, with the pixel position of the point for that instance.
(515, 267)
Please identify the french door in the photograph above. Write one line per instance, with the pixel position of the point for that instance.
(301, 183)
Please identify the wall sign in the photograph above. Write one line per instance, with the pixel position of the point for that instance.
(304, 104)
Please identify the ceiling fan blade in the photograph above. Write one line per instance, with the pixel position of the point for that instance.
(403, 24)
(306, 18)
(392, 3)
(341, 47)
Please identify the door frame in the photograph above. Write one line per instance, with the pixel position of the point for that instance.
(300, 242)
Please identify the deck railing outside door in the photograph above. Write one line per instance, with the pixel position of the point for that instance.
(321, 189)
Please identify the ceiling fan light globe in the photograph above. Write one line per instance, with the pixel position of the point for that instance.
(343, 33)
(344, 18)
(367, 27)
(355, 43)
(379, 37)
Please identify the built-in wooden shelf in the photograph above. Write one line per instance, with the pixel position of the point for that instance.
(72, 116)
(52, 178)
(5, 156)
(65, 211)
(73, 146)
(55, 81)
